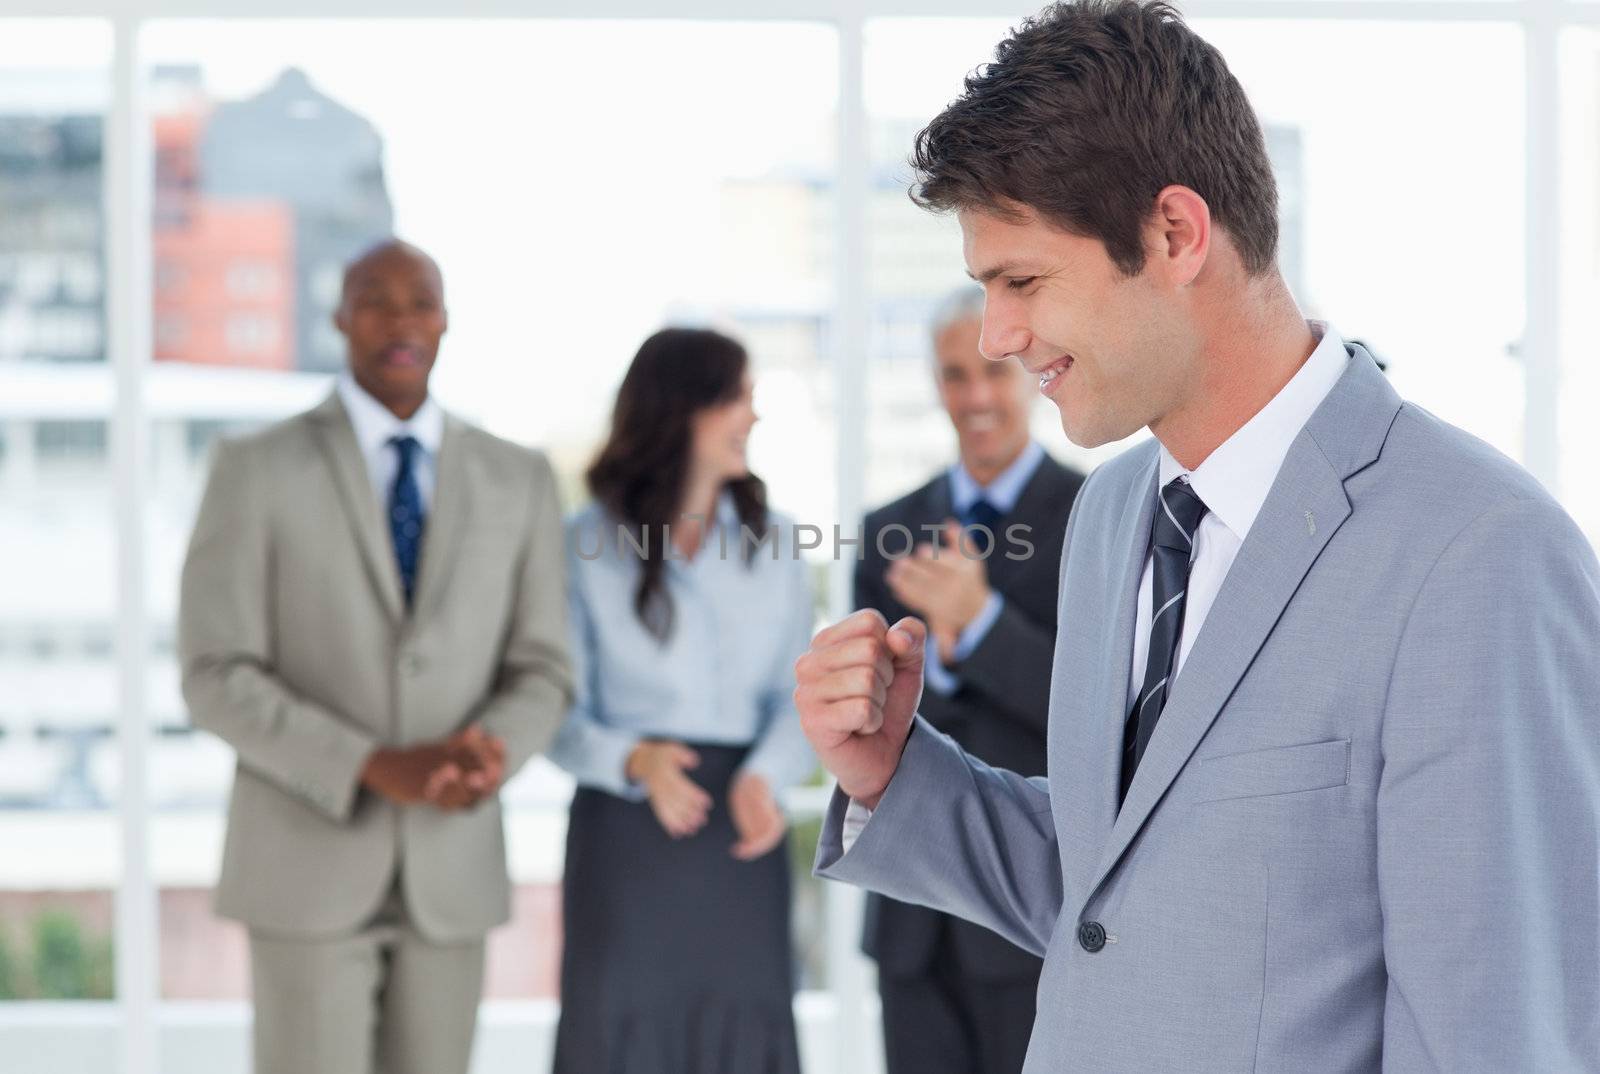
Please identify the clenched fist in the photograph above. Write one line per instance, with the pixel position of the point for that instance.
(857, 689)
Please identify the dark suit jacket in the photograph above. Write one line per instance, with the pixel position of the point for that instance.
(999, 711)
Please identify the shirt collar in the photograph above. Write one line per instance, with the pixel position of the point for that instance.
(375, 424)
(723, 530)
(1235, 478)
(724, 516)
(1004, 491)
(727, 514)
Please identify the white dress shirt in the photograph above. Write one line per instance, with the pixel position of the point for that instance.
(1233, 482)
(375, 425)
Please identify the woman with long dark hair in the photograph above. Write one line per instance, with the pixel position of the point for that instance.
(689, 608)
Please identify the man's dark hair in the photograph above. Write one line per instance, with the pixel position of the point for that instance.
(1088, 111)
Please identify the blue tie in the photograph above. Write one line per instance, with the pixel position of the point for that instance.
(406, 517)
(985, 514)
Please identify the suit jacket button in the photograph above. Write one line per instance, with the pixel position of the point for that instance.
(411, 663)
(1091, 936)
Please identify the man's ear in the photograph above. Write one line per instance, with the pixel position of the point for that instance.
(1180, 234)
(340, 320)
(444, 315)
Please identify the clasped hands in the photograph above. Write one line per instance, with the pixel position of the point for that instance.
(450, 774)
(682, 806)
(946, 586)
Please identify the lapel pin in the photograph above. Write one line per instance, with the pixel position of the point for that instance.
(1311, 524)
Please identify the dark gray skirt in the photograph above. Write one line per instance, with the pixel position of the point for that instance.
(676, 958)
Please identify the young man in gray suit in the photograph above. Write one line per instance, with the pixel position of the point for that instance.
(957, 998)
(1324, 764)
(373, 617)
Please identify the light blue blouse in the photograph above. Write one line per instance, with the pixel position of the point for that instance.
(725, 675)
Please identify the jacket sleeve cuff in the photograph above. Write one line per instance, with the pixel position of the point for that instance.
(332, 780)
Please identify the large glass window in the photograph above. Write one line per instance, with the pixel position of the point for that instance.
(1580, 276)
(583, 182)
(1402, 194)
(58, 671)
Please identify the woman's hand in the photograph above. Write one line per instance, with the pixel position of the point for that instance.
(756, 817)
(680, 804)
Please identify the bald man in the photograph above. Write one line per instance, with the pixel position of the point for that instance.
(373, 617)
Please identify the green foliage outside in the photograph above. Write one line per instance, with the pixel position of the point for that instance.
(10, 975)
(57, 959)
(810, 915)
(803, 836)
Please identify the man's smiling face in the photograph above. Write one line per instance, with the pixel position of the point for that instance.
(1111, 351)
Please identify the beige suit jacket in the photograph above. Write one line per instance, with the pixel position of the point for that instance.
(297, 650)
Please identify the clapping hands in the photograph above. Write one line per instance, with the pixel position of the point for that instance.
(756, 817)
(946, 586)
(680, 804)
(682, 807)
(452, 774)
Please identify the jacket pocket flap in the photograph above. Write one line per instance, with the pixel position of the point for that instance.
(1309, 766)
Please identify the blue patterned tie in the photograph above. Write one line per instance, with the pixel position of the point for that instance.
(985, 514)
(406, 517)
(1178, 515)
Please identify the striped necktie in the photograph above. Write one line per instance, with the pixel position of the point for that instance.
(1178, 514)
(406, 517)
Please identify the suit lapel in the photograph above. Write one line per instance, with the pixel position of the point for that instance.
(447, 520)
(939, 505)
(1038, 494)
(1305, 508)
(338, 441)
(1039, 498)
(1132, 539)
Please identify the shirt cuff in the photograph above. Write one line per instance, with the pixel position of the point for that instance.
(597, 756)
(935, 674)
(973, 634)
(856, 816)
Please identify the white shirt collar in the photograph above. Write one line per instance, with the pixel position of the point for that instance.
(375, 424)
(1235, 478)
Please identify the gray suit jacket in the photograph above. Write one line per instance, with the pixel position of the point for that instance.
(1365, 834)
(297, 650)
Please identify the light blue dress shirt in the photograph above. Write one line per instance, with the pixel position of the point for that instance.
(1002, 493)
(725, 675)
